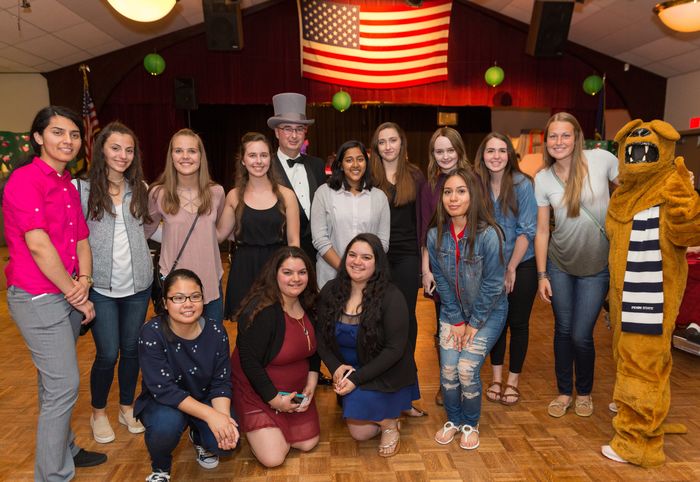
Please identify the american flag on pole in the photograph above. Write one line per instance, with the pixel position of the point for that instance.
(90, 122)
(382, 46)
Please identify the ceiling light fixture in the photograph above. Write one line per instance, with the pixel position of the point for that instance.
(680, 15)
(143, 10)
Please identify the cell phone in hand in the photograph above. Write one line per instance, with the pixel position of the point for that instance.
(298, 398)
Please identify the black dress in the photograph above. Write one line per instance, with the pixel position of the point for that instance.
(261, 235)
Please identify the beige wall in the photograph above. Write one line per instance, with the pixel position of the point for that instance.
(21, 96)
(682, 100)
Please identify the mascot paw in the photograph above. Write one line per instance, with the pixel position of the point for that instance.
(608, 452)
(674, 428)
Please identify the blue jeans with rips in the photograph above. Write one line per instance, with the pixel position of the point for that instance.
(460, 378)
(116, 335)
(576, 303)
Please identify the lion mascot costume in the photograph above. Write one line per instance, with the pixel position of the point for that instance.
(653, 216)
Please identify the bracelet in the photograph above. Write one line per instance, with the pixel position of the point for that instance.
(542, 275)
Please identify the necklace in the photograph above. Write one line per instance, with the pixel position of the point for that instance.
(300, 321)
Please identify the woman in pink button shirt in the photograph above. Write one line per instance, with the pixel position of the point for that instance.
(48, 277)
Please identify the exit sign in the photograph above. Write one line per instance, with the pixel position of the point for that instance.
(694, 122)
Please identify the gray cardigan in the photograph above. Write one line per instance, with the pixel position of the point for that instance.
(101, 241)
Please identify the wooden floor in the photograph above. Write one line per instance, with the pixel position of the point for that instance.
(517, 443)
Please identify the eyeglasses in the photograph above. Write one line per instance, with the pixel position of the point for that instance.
(179, 299)
(289, 130)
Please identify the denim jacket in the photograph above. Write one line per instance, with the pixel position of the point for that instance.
(481, 276)
(524, 223)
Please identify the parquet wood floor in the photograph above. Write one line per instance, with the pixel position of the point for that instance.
(518, 443)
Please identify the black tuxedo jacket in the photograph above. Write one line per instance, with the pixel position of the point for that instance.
(315, 174)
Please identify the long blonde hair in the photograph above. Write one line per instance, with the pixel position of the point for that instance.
(167, 181)
(458, 144)
(578, 170)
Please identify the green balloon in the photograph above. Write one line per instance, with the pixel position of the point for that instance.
(592, 84)
(154, 64)
(494, 76)
(341, 101)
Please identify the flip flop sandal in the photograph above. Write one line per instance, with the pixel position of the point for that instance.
(390, 449)
(493, 395)
(505, 396)
(445, 429)
(467, 430)
(414, 410)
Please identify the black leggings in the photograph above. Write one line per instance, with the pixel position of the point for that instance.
(519, 307)
(404, 274)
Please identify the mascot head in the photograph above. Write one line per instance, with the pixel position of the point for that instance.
(646, 147)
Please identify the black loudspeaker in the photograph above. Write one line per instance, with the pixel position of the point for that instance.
(185, 97)
(549, 28)
(222, 23)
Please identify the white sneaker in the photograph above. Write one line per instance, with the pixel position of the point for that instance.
(205, 458)
(133, 425)
(158, 476)
(101, 430)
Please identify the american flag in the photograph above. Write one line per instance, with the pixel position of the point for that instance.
(90, 122)
(374, 46)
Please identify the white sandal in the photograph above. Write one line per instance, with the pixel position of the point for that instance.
(467, 430)
(446, 428)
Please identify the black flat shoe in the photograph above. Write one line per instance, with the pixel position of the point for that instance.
(85, 458)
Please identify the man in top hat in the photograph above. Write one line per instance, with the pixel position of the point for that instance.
(302, 173)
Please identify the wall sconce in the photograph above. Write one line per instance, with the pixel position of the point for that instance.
(680, 15)
(143, 10)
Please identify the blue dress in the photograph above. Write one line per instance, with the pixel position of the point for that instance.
(363, 404)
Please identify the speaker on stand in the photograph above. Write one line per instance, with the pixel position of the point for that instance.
(222, 23)
(185, 97)
(549, 28)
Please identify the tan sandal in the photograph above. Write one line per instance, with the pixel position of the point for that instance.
(494, 395)
(390, 449)
(515, 394)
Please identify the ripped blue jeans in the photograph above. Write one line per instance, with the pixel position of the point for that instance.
(460, 378)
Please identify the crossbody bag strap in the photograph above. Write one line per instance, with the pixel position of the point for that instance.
(583, 208)
(184, 243)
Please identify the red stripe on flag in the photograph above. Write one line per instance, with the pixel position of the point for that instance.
(352, 58)
(417, 45)
(401, 8)
(410, 33)
(375, 73)
(372, 85)
(407, 21)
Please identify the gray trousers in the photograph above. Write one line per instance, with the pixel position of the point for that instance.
(50, 327)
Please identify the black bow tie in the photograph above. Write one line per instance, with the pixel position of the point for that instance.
(298, 160)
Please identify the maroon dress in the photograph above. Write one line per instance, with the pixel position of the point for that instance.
(288, 371)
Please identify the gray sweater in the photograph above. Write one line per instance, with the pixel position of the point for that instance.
(101, 241)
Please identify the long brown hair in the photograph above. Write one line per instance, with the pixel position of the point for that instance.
(479, 215)
(99, 201)
(506, 198)
(405, 188)
(578, 170)
(242, 178)
(167, 181)
(458, 144)
(266, 292)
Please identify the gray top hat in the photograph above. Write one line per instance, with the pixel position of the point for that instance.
(289, 107)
